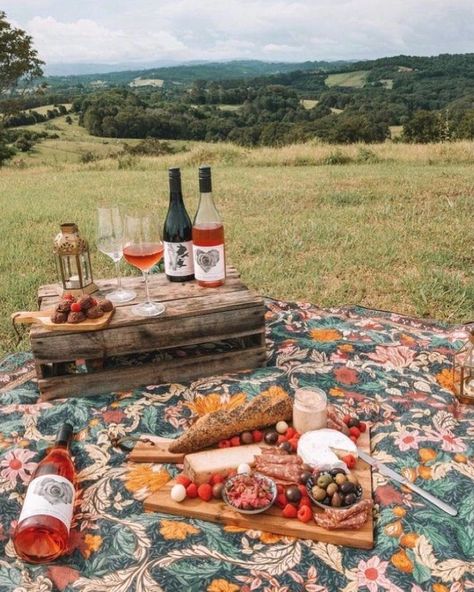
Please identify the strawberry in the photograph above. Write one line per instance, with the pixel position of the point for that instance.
(216, 478)
(362, 426)
(280, 488)
(289, 511)
(224, 444)
(303, 490)
(282, 438)
(192, 490)
(69, 297)
(304, 514)
(354, 432)
(346, 419)
(281, 500)
(75, 307)
(235, 441)
(304, 501)
(290, 432)
(354, 439)
(350, 460)
(257, 436)
(294, 443)
(204, 491)
(183, 480)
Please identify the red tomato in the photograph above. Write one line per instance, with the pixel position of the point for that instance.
(192, 490)
(183, 480)
(204, 491)
(257, 436)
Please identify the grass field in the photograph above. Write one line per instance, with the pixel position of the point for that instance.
(354, 79)
(391, 229)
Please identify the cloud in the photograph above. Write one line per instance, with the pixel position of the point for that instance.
(269, 29)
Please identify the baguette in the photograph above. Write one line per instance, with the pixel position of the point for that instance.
(267, 408)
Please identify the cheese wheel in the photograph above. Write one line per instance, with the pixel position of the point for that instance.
(323, 449)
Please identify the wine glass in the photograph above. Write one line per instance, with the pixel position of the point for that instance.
(110, 242)
(143, 249)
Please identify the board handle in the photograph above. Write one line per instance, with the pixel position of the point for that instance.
(26, 317)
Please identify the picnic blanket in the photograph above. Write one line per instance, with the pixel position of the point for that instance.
(394, 371)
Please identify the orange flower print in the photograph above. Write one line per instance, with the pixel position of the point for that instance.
(402, 562)
(346, 375)
(394, 529)
(176, 531)
(268, 538)
(222, 586)
(93, 542)
(445, 379)
(346, 348)
(325, 334)
(440, 588)
(145, 478)
(424, 472)
(336, 392)
(399, 511)
(409, 540)
(460, 458)
(202, 405)
(427, 454)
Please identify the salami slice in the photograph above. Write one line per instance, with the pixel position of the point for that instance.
(279, 459)
(283, 472)
(340, 515)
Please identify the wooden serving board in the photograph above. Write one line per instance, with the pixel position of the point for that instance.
(43, 317)
(272, 520)
(155, 451)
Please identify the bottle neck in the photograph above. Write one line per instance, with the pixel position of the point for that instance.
(176, 198)
(207, 212)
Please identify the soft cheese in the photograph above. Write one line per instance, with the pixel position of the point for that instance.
(199, 466)
(324, 448)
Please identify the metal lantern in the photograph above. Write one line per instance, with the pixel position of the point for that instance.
(73, 261)
(463, 371)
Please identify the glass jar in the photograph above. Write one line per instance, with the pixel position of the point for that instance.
(309, 409)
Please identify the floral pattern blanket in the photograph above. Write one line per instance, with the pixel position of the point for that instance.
(394, 371)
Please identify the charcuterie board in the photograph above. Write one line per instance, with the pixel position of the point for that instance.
(43, 317)
(271, 520)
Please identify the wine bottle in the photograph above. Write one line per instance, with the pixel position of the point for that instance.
(42, 533)
(177, 234)
(208, 236)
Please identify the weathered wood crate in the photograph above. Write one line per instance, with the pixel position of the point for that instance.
(203, 332)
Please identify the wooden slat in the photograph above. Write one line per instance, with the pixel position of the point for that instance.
(272, 520)
(182, 370)
(175, 309)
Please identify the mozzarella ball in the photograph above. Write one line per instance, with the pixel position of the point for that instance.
(178, 492)
(243, 468)
(281, 427)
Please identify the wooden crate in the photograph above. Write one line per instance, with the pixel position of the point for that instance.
(203, 332)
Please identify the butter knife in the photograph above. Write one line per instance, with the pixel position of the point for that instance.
(388, 472)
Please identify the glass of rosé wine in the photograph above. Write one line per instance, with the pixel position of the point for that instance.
(143, 249)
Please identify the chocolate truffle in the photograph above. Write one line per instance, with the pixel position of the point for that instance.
(86, 302)
(94, 312)
(63, 306)
(76, 317)
(59, 317)
(106, 305)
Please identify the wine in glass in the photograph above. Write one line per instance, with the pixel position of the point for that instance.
(143, 249)
(110, 242)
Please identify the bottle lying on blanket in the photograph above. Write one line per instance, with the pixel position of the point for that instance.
(42, 534)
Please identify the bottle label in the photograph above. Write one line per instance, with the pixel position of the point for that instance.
(50, 495)
(178, 258)
(209, 263)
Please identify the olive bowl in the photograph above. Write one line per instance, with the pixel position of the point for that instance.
(312, 481)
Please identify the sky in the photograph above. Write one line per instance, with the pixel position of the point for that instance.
(110, 32)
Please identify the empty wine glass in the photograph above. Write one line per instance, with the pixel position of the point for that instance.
(143, 249)
(110, 242)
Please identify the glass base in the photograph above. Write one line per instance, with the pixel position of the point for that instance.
(148, 309)
(120, 296)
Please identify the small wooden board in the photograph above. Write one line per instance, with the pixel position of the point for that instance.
(155, 452)
(43, 317)
(272, 520)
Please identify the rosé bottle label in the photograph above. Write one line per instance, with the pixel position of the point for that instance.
(209, 263)
(50, 495)
(179, 258)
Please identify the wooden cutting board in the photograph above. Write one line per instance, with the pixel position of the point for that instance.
(272, 520)
(44, 318)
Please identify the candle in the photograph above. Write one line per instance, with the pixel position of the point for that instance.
(309, 409)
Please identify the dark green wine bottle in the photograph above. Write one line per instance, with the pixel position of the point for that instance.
(178, 234)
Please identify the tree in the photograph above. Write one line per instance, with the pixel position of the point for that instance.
(18, 60)
(423, 127)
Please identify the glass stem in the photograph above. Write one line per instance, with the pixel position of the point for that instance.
(119, 277)
(147, 292)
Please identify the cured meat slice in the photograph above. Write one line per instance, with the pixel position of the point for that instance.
(340, 515)
(284, 472)
(349, 518)
(279, 459)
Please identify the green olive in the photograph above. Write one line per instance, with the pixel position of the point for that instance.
(331, 488)
(324, 480)
(340, 478)
(318, 493)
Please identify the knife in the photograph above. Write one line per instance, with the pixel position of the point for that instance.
(388, 472)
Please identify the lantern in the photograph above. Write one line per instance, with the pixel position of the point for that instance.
(73, 261)
(463, 370)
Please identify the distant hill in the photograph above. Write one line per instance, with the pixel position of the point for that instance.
(187, 73)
